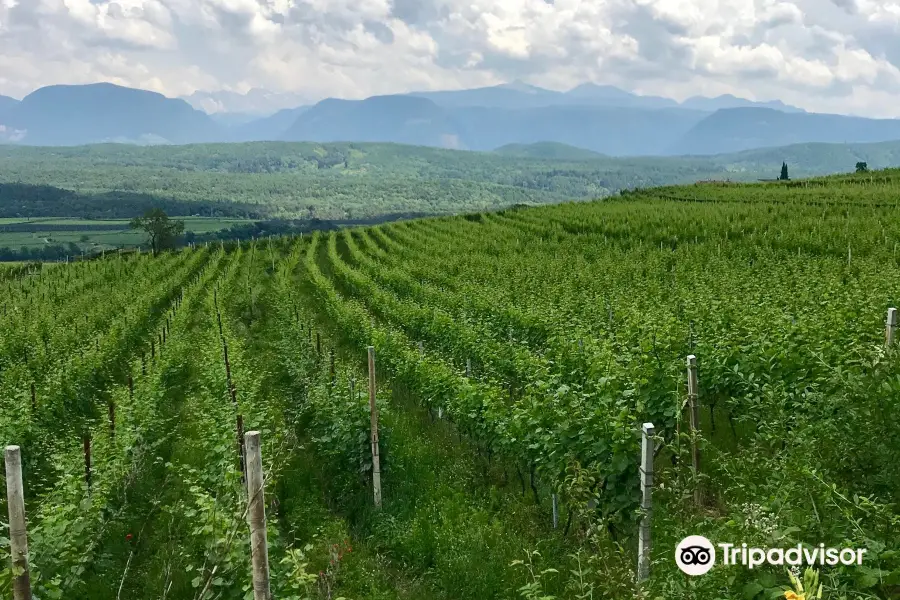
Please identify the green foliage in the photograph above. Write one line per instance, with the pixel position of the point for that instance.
(162, 231)
(337, 181)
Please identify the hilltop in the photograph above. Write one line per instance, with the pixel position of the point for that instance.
(552, 150)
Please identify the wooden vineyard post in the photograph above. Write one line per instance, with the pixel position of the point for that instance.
(373, 413)
(112, 419)
(890, 327)
(256, 516)
(33, 399)
(694, 408)
(421, 349)
(647, 451)
(18, 535)
(242, 449)
(468, 368)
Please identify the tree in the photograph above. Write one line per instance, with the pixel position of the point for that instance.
(784, 172)
(862, 167)
(163, 231)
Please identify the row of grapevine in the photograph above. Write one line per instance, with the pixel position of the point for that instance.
(579, 318)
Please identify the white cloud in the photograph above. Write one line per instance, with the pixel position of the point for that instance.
(837, 55)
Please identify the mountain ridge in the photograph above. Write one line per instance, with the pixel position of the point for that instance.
(77, 114)
(590, 116)
(737, 129)
(256, 101)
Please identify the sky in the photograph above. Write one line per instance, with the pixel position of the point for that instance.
(839, 56)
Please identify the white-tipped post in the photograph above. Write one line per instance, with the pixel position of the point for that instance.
(373, 413)
(890, 329)
(256, 516)
(647, 451)
(18, 536)
(555, 512)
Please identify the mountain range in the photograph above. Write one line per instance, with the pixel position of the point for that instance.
(522, 95)
(601, 119)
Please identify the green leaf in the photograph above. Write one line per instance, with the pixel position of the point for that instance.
(751, 590)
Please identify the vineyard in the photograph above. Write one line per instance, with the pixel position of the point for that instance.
(517, 356)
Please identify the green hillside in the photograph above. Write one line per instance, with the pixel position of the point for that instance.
(328, 181)
(362, 181)
(552, 150)
(815, 159)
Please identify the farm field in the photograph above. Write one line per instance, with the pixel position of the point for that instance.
(517, 356)
(91, 235)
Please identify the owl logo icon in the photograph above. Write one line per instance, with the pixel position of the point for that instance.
(695, 555)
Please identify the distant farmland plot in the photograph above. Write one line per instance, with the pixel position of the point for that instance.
(15, 233)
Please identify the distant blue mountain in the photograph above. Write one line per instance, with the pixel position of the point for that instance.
(523, 95)
(7, 103)
(268, 128)
(62, 115)
(729, 101)
(512, 95)
(411, 119)
(596, 118)
(608, 95)
(401, 119)
(736, 129)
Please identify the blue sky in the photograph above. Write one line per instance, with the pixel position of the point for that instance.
(824, 55)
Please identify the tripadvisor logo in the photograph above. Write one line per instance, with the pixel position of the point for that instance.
(696, 555)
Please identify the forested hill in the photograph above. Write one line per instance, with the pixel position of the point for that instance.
(358, 180)
(328, 181)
